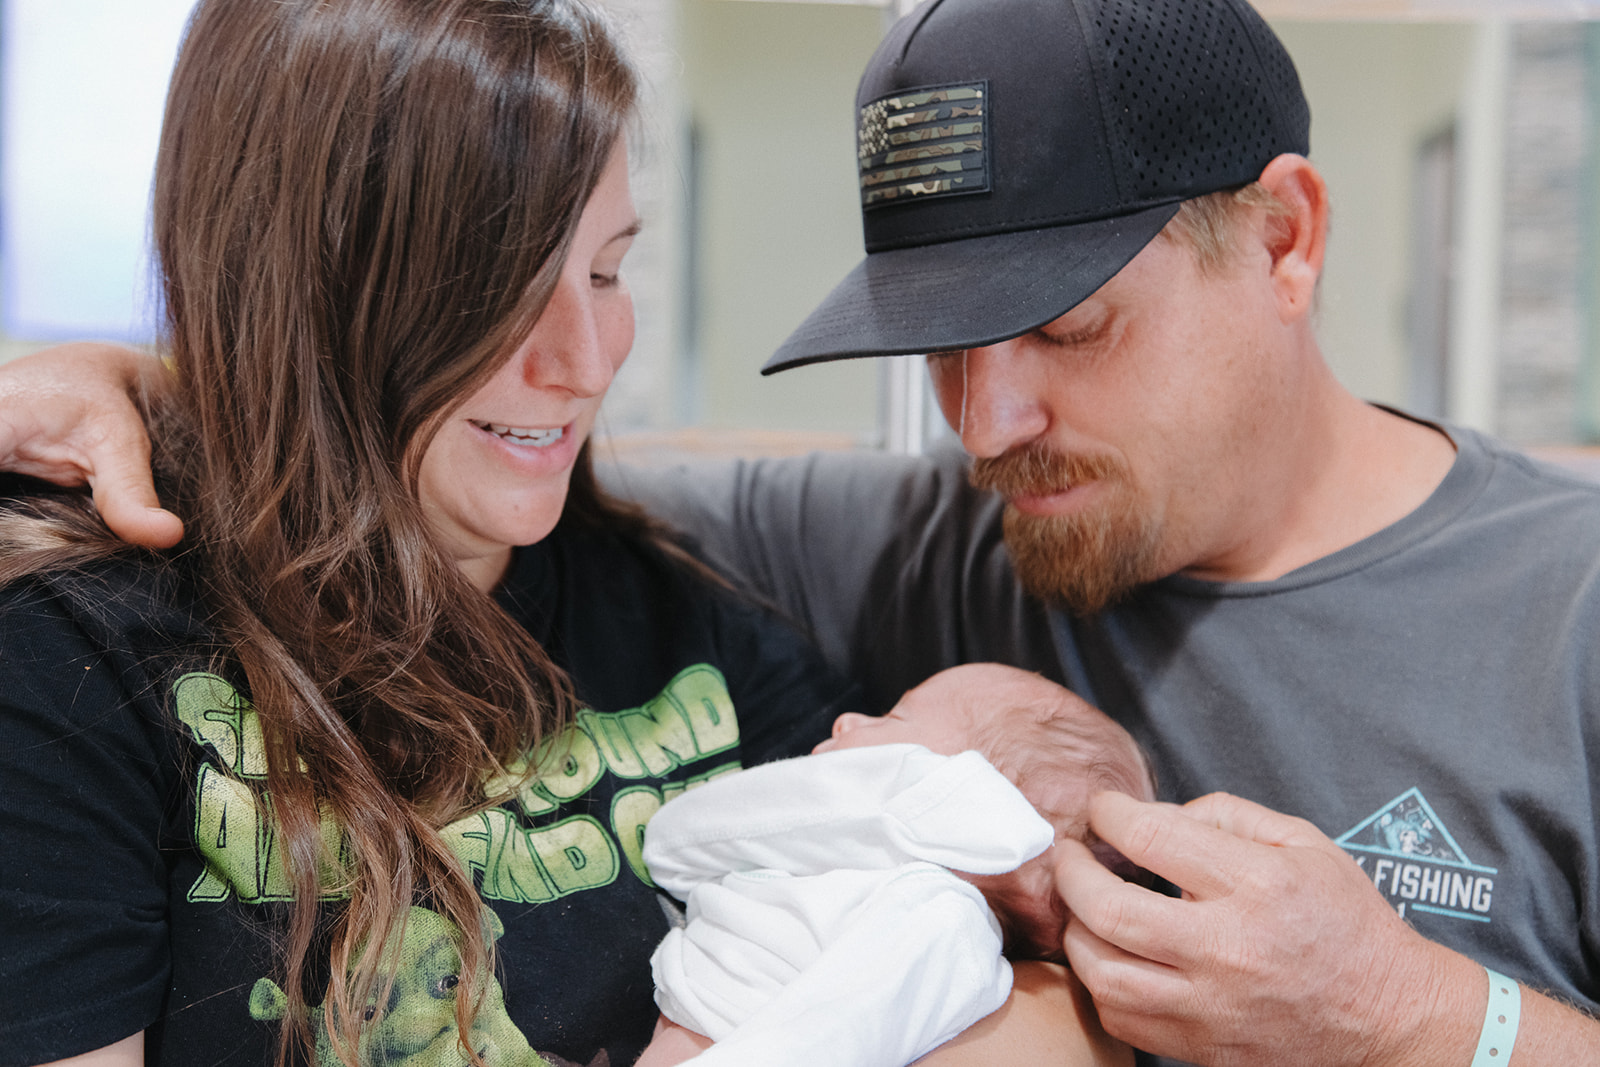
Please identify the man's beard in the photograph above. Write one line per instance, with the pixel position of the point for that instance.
(1082, 561)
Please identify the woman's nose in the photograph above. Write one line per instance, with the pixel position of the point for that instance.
(566, 350)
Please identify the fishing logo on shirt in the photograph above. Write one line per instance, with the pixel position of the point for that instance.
(691, 720)
(1410, 856)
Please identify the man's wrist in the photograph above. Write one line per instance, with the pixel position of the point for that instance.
(1436, 1008)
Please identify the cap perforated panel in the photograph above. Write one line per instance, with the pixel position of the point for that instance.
(1189, 96)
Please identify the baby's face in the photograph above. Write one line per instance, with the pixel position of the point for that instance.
(931, 721)
(942, 713)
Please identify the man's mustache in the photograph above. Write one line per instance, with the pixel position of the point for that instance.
(1036, 470)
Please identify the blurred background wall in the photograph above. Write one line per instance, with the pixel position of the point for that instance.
(1458, 137)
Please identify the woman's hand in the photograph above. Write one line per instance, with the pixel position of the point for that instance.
(67, 416)
(671, 1044)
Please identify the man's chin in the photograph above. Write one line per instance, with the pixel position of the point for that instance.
(1082, 563)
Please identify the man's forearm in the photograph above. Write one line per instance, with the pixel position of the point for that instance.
(1443, 1028)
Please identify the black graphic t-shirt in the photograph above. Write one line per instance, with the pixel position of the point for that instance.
(140, 889)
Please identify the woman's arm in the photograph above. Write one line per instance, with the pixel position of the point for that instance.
(129, 1052)
(671, 1045)
(67, 416)
(1047, 1019)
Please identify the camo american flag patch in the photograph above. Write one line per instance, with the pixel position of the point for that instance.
(925, 142)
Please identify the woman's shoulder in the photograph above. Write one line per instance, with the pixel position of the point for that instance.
(132, 603)
(65, 598)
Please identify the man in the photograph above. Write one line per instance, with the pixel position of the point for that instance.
(1332, 609)
(1099, 215)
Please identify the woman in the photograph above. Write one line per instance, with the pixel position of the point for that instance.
(349, 776)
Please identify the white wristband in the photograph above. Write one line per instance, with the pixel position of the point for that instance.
(1500, 1020)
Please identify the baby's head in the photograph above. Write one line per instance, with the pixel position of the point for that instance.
(1055, 748)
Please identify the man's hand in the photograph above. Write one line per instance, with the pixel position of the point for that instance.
(1279, 952)
(66, 415)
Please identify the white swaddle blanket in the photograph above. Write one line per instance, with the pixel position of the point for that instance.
(822, 925)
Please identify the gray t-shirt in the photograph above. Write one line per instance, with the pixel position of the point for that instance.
(1427, 697)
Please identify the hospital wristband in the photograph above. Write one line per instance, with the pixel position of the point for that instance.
(1500, 1020)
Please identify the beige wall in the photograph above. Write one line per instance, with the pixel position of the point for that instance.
(772, 89)
(1376, 91)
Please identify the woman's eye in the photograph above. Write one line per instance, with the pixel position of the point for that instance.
(604, 281)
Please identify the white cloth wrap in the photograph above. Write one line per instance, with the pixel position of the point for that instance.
(822, 925)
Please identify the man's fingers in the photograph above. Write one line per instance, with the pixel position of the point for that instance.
(1128, 917)
(1167, 840)
(134, 516)
(1135, 998)
(1251, 821)
(118, 462)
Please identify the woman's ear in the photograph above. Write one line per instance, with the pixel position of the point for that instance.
(1297, 237)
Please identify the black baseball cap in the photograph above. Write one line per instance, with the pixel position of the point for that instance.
(1015, 154)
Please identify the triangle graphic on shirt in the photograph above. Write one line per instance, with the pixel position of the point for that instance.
(1408, 828)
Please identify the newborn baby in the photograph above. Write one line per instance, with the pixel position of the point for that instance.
(850, 907)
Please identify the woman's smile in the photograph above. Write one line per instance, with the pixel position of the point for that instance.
(522, 436)
(496, 474)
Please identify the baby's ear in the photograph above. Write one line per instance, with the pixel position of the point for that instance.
(1120, 865)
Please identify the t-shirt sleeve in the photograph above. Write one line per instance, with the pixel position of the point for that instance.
(894, 565)
(83, 930)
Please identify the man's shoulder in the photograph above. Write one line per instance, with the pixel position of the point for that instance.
(814, 479)
(775, 513)
(1520, 486)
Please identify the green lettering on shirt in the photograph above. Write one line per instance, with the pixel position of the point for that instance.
(632, 808)
(568, 765)
(217, 715)
(492, 844)
(239, 846)
(577, 853)
(530, 866)
(692, 718)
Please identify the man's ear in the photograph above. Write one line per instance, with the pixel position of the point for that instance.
(1297, 238)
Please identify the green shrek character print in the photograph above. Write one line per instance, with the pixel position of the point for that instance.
(416, 1026)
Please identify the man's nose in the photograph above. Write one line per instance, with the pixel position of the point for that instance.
(991, 397)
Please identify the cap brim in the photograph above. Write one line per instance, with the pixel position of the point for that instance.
(966, 293)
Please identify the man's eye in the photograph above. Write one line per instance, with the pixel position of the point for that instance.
(1074, 338)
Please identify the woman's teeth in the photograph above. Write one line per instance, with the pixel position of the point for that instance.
(518, 435)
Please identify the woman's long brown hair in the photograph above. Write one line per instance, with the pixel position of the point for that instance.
(361, 206)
